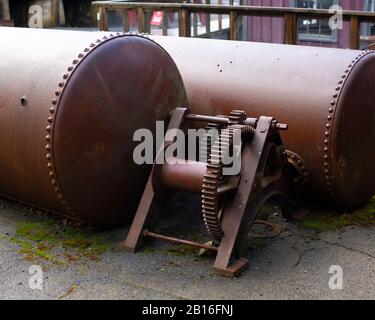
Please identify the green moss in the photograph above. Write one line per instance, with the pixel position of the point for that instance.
(100, 246)
(42, 241)
(79, 243)
(25, 246)
(34, 251)
(325, 222)
(33, 231)
(46, 255)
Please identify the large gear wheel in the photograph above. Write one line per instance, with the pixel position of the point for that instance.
(212, 201)
(213, 131)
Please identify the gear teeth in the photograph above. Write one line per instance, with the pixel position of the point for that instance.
(214, 167)
(211, 181)
(210, 193)
(236, 116)
(210, 176)
(216, 151)
(208, 198)
(207, 141)
(209, 187)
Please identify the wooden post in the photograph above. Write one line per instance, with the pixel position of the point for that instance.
(105, 19)
(125, 20)
(290, 28)
(220, 17)
(354, 32)
(165, 23)
(147, 20)
(208, 19)
(184, 23)
(100, 18)
(4, 4)
(195, 24)
(54, 12)
(233, 26)
(140, 19)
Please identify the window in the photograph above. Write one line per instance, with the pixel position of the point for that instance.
(316, 29)
(370, 6)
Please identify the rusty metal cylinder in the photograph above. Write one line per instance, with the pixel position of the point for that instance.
(327, 97)
(185, 175)
(70, 103)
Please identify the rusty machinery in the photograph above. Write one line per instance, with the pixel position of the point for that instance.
(229, 203)
(71, 101)
(327, 97)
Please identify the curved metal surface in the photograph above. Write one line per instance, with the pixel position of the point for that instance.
(69, 105)
(326, 96)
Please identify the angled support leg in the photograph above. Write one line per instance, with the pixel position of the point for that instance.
(134, 240)
(235, 215)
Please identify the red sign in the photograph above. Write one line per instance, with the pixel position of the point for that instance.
(157, 18)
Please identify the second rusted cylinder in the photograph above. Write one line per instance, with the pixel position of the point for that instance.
(327, 96)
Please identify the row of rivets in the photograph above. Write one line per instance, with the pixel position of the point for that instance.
(301, 166)
(331, 110)
(51, 119)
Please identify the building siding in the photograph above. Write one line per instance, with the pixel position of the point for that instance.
(270, 29)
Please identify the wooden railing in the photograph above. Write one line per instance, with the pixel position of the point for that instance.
(291, 16)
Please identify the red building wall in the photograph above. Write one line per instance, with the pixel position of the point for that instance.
(267, 29)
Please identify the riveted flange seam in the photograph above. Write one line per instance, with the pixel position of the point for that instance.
(53, 110)
(327, 169)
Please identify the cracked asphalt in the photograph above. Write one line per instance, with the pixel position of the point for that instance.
(294, 265)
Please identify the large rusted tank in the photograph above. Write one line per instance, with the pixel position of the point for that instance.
(69, 105)
(327, 96)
